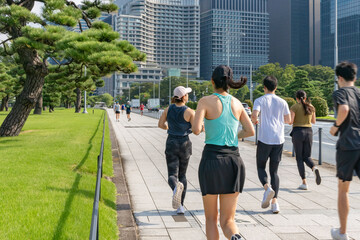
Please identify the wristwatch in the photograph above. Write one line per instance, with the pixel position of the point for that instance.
(336, 125)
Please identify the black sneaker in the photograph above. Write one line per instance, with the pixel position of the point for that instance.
(236, 237)
(317, 176)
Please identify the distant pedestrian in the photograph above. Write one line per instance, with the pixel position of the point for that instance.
(128, 110)
(117, 111)
(302, 116)
(221, 170)
(274, 113)
(178, 150)
(141, 109)
(347, 104)
(122, 108)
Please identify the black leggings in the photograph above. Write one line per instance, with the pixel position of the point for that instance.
(263, 152)
(178, 151)
(302, 138)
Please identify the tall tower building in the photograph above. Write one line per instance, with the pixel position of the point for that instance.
(234, 33)
(168, 31)
(348, 31)
(294, 31)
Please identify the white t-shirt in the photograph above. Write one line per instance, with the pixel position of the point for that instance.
(272, 111)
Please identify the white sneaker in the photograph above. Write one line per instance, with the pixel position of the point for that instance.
(275, 208)
(303, 187)
(180, 210)
(268, 195)
(336, 235)
(176, 200)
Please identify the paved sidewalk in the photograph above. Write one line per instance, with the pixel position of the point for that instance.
(304, 214)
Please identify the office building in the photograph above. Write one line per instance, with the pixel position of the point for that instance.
(294, 31)
(168, 31)
(348, 31)
(235, 33)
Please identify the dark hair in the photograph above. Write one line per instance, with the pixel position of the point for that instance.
(270, 82)
(347, 70)
(176, 99)
(223, 78)
(301, 95)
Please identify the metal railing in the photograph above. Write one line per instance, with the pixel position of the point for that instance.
(94, 229)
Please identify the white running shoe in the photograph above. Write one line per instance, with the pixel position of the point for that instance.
(180, 210)
(275, 208)
(336, 235)
(268, 195)
(176, 200)
(303, 187)
(236, 237)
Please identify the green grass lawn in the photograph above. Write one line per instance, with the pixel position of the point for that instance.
(326, 118)
(48, 175)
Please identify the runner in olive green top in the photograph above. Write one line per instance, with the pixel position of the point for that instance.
(302, 116)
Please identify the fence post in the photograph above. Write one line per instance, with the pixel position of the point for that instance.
(320, 142)
(256, 134)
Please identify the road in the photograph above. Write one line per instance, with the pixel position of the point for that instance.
(328, 142)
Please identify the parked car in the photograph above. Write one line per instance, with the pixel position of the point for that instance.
(247, 108)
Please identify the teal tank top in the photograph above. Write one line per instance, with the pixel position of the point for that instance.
(223, 130)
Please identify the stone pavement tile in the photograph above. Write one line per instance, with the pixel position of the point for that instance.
(154, 238)
(286, 229)
(258, 233)
(186, 233)
(319, 232)
(295, 236)
(354, 234)
(153, 233)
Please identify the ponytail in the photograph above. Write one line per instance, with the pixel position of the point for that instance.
(308, 108)
(223, 78)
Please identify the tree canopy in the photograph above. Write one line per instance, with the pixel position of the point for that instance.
(37, 39)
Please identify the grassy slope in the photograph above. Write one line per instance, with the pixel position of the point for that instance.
(47, 178)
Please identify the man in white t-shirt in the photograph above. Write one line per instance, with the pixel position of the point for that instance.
(274, 113)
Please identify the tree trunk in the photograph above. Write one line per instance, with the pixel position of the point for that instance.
(39, 105)
(78, 100)
(35, 70)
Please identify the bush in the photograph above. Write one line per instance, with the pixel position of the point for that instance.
(192, 105)
(321, 107)
(248, 101)
(290, 101)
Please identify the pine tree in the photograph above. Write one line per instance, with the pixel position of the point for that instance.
(97, 48)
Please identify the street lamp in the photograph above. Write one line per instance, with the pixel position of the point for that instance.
(336, 50)
(85, 95)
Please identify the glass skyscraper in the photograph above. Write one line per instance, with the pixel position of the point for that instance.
(234, 32)
(348, 31)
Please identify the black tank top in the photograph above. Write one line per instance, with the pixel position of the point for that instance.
(176, 122)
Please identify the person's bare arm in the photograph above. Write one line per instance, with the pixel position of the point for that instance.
(287, 118)
(198, 122)
(313, 118)
(343, 112)
(254, 117)
(247, 127)
(162, 121)
(189, 116)
(292, 115)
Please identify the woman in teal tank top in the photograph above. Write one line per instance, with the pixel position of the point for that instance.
(221, 170)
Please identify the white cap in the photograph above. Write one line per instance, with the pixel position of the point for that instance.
(181, 91)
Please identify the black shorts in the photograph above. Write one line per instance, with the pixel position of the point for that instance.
(117, 112)
(221, 170)
(128, 111)
(346, 163)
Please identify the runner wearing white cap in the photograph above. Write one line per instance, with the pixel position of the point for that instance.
(178, 150)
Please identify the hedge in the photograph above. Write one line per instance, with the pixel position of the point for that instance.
(290, 101)
(248, 101)
(321, 107)
(192, 105)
